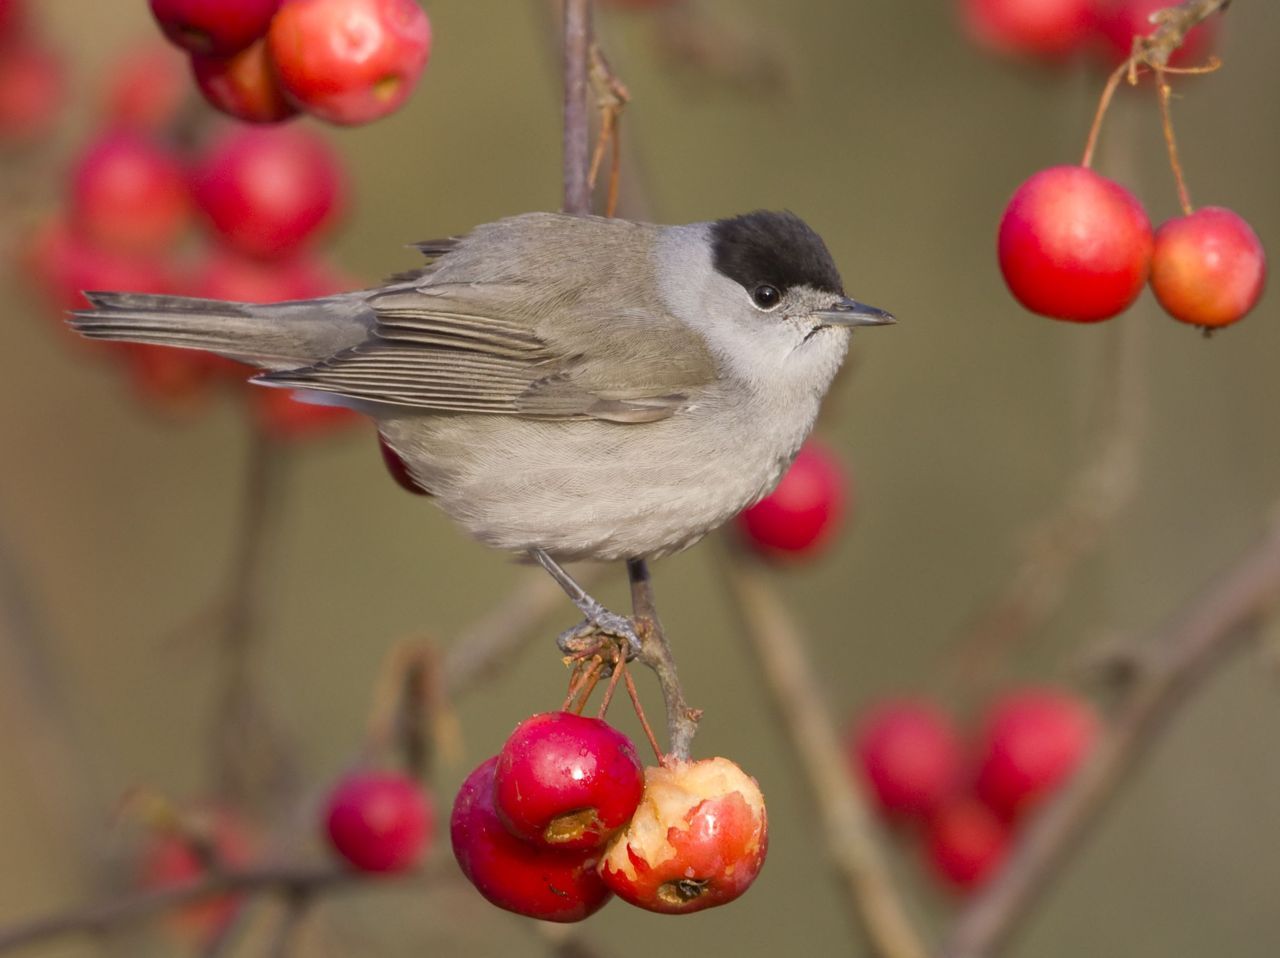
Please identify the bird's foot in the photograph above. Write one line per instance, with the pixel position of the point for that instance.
(585, 636)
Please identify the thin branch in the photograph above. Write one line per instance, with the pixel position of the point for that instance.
(99, 917)
(577, 143)
(1167, 668)
(849, 833)
(682, 721)
(1172, 26)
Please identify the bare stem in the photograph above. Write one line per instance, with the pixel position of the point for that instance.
(1171, 144)
(577, 143)
(682, 721)
(1163, 672)
(850, 836)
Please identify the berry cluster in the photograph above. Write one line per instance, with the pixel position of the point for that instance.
(1056, 31)
(235, 216)
(966, 803)
(263, 61)
(564, 817)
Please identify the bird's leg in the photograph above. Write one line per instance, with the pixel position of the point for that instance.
(598, 618)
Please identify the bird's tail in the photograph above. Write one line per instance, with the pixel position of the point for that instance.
(270, 336)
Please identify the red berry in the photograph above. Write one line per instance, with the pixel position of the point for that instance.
(567, 781)
(697, 840)
(1074, 245)
(379, 821)
(284, 417)
(1049, 29)
(129, 193)
(243, 85)
(13, 18)
(1119, 21)
(909, 752)
(32, 91)
(800, 515)
(226, 274)
(173, 861)
(964, 843)
(213, 27)
(350, 61)
(512, 874)
(145, 89)
(1031, 743)
(1208, 268)
(398, 470)
(267, 191)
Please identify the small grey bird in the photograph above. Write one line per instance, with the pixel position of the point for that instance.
(566, 387)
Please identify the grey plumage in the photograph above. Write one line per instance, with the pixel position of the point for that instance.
(592, 388)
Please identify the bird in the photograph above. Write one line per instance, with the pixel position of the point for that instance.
(564, 387)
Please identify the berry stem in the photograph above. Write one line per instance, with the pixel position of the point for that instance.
(1166, 122)
(644, 722)
(619, 667)
(1104, 102)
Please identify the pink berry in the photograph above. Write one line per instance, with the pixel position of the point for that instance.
(32, 92)
(243, 85)
(512, 874)
(1208, 268)
(1032, 741)
(268, 190)
(1047, 29)
(1119, 21)
(909, 752)
(213, 27)
(128, 192)
(1074, 245)
(145, 88)
(964, 843)
(379, 821)
(802, 514)
(567, 781)
(350, 61)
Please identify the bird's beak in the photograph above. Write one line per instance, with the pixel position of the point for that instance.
(849, 312)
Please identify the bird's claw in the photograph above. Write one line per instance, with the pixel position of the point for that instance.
(585, 636)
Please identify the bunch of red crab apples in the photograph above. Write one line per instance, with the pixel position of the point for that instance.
(564, 817)
(1077, 246)
(963, 802)
(262, 61)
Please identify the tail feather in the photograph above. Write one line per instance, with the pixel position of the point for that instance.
(271, 336)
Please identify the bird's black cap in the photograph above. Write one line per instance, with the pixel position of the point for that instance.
(774, 248)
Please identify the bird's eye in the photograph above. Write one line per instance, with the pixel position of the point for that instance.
(766, 296)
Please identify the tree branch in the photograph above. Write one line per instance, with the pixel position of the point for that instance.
(682, 721)
(1167, 668)
(851, 839)
(577, 145)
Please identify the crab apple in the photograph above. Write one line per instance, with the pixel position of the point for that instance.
(286, 418)
(243, 85)
(567, 781)
(268, 190)
(350, 61)
(1074, 245)
(697, 840)
(1119, 21)
(964, 843)
(130, 193)
(213, 27)
(174, 860)
(1032, 740)
(805, 509)
(32, 91)
(1208, 268)
(145, 89)
(13, 18)
(909, 752)
(512, 874)
(1046, 29)
(225, 274)
(398, 470)
(379, 821)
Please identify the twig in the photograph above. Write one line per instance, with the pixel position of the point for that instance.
(1165, 670)
(138, 906)
(577, 146)
(682, 721)
(297, 907)
(847, 828)
(1172, 26)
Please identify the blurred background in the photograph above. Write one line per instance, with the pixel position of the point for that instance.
(900, 141)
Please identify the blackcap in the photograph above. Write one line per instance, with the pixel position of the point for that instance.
(565, 387)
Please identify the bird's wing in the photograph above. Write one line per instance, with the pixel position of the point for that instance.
(493, 348)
